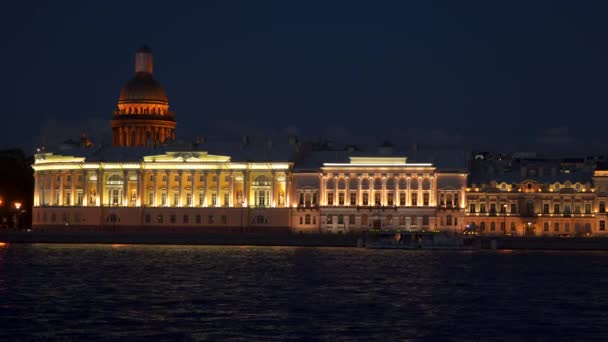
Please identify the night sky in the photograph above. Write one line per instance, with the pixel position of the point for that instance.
(515, 75)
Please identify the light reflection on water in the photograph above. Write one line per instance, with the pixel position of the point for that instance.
(76, 291)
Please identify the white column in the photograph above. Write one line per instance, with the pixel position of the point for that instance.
(218, 188)
(230, 197)
(206, 176)
(61, 178)
(397, 191)
(193, 193)
(383, 198)
(73, 189)
(408, 196)
(359, 195)
(168, 191)
(179, 190)
(100, 187)
(347, 190)
(246, 187)
(125, 188)
(155, 202)
(41, 176)
(85, 189)
(272, 189)
(322, 183)
(287, 190)
(140, 188)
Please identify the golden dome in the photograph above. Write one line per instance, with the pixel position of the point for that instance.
(143, 88)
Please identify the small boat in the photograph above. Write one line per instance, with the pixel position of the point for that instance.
(419, 240)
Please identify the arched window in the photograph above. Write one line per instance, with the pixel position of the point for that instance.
(114, 180)
(261, 180)
(426, 184)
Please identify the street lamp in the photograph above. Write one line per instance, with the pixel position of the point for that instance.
(16, 216)
(504, 228)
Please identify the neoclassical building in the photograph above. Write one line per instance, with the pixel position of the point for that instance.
(145, 181)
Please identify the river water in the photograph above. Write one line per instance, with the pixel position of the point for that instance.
(83, 292)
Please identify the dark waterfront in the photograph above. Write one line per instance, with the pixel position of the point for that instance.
(297, 293)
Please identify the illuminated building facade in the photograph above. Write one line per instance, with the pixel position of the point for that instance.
(535, 197)
(146, 182)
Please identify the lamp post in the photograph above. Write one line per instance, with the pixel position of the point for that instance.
(504, 231)
(242, 208)
(16, 217)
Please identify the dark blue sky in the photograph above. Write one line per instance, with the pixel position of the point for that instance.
(512, 74)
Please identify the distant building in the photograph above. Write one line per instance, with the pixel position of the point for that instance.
(146, 182)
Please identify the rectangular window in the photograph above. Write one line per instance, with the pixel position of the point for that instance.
(353, 198)
(201, 199)
(602, 207)
(472, 207)
(556, 227)
(211, 220)
(189, 178)
(556, 208)
(176, 178)
(366, 199)
(492, 208)
(340, 219)
(390, 199)
(425, 220)
(364, 220)
(172, 218)
(198, 219)
(151, 178)
(402, 220)
(147, 218)
(188, 199)
(587, 208)
(545, 208)
(414, 221)
(502, 226)
(314, 198)
(377, 198)
(414, 199)
(164, 178)
(513, 208)
(68, 178)
(79, 197)
(330, 198)
(351, 219)
(223, 219)
(513, 227)
(301, 200)
(329, 219)
(226, 200)
(68, 198)
(492, 226)
(482, 208)
(213, 199)
(159, 218)
(163, 198)
(214, 178)
(402, 198)
(201, 178)
(341, 198)
(425, 199)
(185, 219)
(175, 199)
(602, 225)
